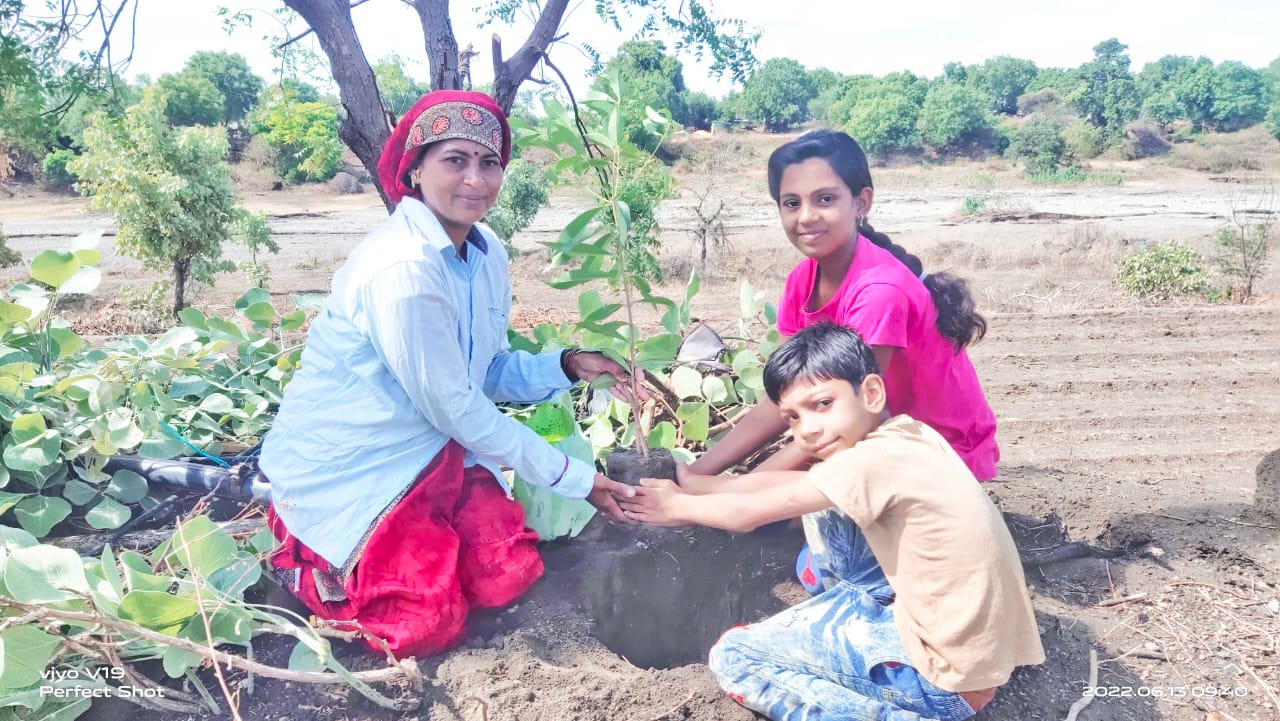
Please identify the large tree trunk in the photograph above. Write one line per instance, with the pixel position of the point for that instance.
(367, 125)
(442, 44)
(508, 75)
(181, 268)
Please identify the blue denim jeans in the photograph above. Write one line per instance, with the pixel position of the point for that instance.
(837, 655)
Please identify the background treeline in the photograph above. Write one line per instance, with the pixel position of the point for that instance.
(1050, 119)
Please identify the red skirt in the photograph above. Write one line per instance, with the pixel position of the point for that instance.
(452, 543)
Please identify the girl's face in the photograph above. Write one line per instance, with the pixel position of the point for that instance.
(818, 211)
(459, 180)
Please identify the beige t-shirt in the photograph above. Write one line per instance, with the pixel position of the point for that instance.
(962, 606)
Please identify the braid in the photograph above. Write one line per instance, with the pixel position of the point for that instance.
(958, 317)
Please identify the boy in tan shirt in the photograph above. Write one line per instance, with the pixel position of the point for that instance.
(925, 610)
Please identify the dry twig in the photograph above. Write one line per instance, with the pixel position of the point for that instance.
(1078, 706)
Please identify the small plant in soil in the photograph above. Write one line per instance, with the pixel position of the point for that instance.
(610, 243)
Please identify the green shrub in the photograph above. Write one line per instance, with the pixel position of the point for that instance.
(8, 256)
(952, 114)
(884, 123)
(1084, 141)
(972, 204)
(190, 99)
(1073, 175)
(1039, 144)
(1273, 118)
(56, 174)
(304, 135)
(168, 188)
(524, 190)
(1162, 271)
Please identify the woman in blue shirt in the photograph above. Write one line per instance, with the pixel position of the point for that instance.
(385, 456)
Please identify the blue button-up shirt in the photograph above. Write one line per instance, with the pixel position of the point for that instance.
(409, 352)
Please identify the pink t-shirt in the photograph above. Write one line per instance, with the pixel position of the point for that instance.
(927, 380)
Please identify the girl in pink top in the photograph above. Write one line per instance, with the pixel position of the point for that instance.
(918, 324)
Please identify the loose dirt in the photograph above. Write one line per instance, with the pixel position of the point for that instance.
(1136, 433)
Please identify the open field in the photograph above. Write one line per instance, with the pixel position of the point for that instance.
(1138, 427)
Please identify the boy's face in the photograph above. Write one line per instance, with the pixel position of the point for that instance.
(828, 416)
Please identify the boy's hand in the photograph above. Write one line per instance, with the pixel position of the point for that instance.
(656, 503)
(695, 483)
(603, 494)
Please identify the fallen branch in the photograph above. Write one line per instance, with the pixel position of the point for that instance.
(146, 540)
(1123, 599)
(1085, 700)
(407, 669)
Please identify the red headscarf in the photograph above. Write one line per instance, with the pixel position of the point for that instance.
(461, 114)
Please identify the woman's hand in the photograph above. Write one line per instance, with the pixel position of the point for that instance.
(655, 503)
(590, 365)
(603, 494)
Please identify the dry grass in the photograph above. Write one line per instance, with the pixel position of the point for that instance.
(1252, 149)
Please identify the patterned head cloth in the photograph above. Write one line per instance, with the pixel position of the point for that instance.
(440, 115)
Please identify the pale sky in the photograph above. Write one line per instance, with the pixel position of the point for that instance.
(848, 37)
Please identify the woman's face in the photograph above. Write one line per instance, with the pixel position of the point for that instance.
(818, 211)
(459, 180)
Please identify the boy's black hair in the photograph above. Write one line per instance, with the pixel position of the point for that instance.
(958, 317)
(821, 352)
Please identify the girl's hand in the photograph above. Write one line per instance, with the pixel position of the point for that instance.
(656, 502)
(590, 365)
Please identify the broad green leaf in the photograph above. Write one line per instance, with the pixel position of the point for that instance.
(194, 318)
(9, 500)
(302, 658)
(157, 611)
(110, 572)
(28, 426)
(173, 339)
(552, 421)
(717, 390)
(771, 313)
(263, 541)
(107, 515)
(79, 492)
(54, 267)
(237, 576)
(176, 661)
(13, 313)
(68, 343)
(85, 280)
(686, 382)
(138, 575)
(753, 378)
(622, 218)
(200, 546)
(588, 302)
(663, 435)
(220, 329)
(44, 574)
(26, 651)
(127, 486)
(160, 445)
(217, 404)
(576, 231)
(39, 514)
(188, 386)
(227, 624)
(251, 297)
(261, 313)
(293, 321)
(697, 419)
(88, 240)
(746, 300)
